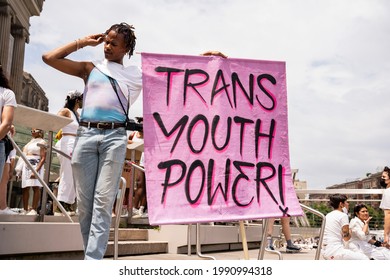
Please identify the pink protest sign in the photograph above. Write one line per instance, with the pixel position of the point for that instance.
(216, 139)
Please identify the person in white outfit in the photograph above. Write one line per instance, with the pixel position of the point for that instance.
(361, 239)
(66, 189)
(337, 233)
(36, 156)
(385, 204)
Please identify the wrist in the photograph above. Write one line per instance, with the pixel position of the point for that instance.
(79, 44)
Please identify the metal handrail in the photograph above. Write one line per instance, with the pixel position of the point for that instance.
(198, 247)
(322, 229)
(118, 211)
(198, 244)
(59, 205)
(45, 186)
(341, 191)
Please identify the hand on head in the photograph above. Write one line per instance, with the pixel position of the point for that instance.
(94, 40)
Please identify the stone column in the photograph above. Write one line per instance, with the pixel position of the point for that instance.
(5, 31)
(20, 35)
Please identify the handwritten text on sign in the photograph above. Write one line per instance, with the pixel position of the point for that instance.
(216, 139)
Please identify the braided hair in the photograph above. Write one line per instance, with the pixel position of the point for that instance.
(128, 33)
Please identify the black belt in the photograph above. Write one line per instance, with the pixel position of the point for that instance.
(102, 125)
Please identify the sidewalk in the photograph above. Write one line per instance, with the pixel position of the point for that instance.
(305, 254)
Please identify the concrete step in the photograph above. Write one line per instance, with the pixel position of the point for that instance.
(134, 241)
(130, 234)
(130, 248)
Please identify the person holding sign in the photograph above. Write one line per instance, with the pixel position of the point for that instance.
(100, 146)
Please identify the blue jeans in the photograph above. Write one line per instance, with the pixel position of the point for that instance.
(97, 164)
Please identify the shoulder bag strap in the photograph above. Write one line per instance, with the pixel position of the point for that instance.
(114, 87)
(77, 118)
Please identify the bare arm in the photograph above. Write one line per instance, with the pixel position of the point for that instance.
(11, 167)
(64, 112)
(57, 57)
(386, 226)
(130, 139)
(346, 233)
(43, 159)
(7, 118)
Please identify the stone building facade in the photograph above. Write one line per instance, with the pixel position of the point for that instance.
(14, 34)
(32, 94)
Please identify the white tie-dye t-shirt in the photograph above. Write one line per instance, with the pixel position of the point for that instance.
(100, 102)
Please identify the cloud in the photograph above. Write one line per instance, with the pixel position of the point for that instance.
(336, 55)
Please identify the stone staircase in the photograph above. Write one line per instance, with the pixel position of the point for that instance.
(135, 241)
(24, 237)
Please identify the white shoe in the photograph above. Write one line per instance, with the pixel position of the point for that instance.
(125, 213)
(145, 215)
(141, 214)
(135, 211)
(137, 214)
(7, 211)
(32, 212)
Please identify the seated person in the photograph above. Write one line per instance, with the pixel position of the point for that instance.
(361, 239)
(337, 233)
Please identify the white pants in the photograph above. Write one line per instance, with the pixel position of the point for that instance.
(340, 253)
(66, 188)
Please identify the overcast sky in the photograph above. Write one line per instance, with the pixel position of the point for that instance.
(337, 55)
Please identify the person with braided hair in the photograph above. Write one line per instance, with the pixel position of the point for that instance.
(100, 147)
(101, 140)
